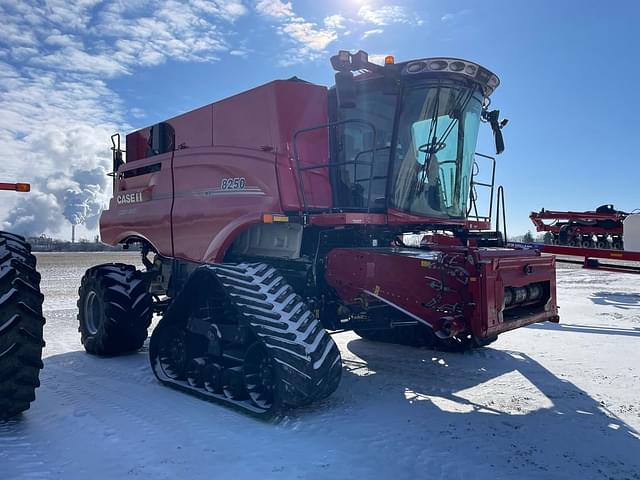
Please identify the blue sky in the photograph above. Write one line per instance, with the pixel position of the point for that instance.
(72, 72)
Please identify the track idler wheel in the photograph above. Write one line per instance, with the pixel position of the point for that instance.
(260, 377)
(233, 384)
(173, 356)
(213, 378)
(195, 372)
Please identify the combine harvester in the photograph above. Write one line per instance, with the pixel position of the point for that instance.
(605, 234)
(267, 218)
(21, 321)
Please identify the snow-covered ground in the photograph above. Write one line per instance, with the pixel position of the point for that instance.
(548, 401)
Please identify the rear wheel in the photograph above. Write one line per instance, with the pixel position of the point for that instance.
(21, 325)
(114, 309)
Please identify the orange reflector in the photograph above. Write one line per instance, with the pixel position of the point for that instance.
(23, 187)
(270, 218)
(389, 60)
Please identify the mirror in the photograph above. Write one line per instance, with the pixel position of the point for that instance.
(493, 117)
(497, 134)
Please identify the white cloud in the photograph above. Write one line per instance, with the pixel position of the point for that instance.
(61, 40)
(387, 15)
(230, 10)
(137, 112)
(375, 31)
(307, 34)
(335, 22)
(309, 39)
(274, 8)
(450, 17)
(57, 110)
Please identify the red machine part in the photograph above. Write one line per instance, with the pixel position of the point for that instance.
(591, 256)
(452, 289)
(18, 187)
(582, 223)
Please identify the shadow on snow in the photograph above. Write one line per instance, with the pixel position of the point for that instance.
(622, 300)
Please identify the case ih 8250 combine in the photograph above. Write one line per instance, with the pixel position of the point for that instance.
(21, 321)
(272, 216)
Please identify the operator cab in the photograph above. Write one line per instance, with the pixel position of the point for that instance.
(403, 136)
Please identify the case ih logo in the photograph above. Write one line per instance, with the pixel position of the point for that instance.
(125, 198)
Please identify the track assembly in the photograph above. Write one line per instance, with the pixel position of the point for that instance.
(250, 342)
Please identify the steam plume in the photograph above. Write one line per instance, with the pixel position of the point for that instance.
(78, 198)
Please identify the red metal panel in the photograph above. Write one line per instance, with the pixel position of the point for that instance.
(300, 106)
(194, 129)
(506, 268)
(474, 279)
(247, 120)
(136, 144)
(206, 216)
(328, 219)
(146, 215)
(589, 252)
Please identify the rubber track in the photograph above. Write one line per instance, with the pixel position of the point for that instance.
(127, 309)
(21, 325)
(307, 360)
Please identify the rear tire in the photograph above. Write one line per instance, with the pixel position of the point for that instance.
(21, 325)
(114, 309)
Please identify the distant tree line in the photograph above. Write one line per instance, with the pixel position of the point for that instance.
(529, 237)
(48, 244)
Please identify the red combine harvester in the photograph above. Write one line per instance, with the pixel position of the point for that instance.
(602, 228)
(274, 215)
(21, 321)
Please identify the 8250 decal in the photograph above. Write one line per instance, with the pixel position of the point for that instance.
(234, 183)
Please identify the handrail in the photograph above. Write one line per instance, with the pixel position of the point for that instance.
(330, 165)
(491, 186)
(500, 202)
(117, 160)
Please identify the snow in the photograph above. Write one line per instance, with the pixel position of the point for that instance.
(548, 401)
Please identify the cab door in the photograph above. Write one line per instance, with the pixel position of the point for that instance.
(141, 203)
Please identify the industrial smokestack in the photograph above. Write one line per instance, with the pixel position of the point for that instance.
(73, 233)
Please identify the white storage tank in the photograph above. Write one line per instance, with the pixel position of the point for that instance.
(631, 233)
